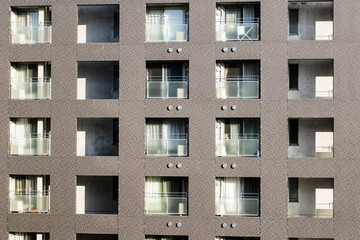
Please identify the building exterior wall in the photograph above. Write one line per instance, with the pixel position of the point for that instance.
(202, 108)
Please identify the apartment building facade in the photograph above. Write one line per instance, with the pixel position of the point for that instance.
(179, 120)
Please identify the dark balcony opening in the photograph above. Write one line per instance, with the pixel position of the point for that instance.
(311, 20)
(311, 138)
(97, 195)
(98, 80)
(97, 136)
(98, 24)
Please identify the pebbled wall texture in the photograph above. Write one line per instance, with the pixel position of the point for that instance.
(202, 108)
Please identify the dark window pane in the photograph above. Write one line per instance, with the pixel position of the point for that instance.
(294, 131)
(293, 189)
(293, 21)
(293, 76)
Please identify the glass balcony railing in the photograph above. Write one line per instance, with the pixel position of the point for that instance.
(238, 30)
(35, 144)
(174, 87)
(174, 203)
(30, 88)
(29, 202)
(244, 145)
(238, 87)
(244, 204)
(161, 29)
(174, 145)
(31, 33)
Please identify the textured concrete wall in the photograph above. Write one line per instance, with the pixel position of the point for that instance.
(202, 108)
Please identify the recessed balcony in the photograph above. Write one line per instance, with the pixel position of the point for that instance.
(311, 197)
(29, 194)
(237, 196)
(98, 24)
(98, 80)
(30, 136)
(238, 137)
(31, 25)
(311, 79)
(238, 22)
(166, 195)
(166, 137)
(168, 23)
(167, 80)
(311, 239)
(30, 81)
(28, 236)
(97, 137)
(237, 238)
(153, 237)
(311, 137)
(237, 79)
(96, 236)
(311, 20)
(97, 195)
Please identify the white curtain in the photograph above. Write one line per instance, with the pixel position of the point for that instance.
(175, 128)
(250, 70)
(153, 130)
(174, 15)
(232, 14)
(153, 185)
(248, 13)
(228, 191)
(34, 17)
(234, 128)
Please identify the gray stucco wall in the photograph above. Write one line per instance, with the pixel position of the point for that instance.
(202, 108)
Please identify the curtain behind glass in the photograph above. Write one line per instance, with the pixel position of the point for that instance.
(155, 28)
(175, 20)
(249, 13)
(153, 129)
(175, 128)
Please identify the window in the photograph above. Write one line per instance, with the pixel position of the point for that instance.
(167, 79)
(293, 21)
(293, 131)
(293, 190)
(294, 76)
